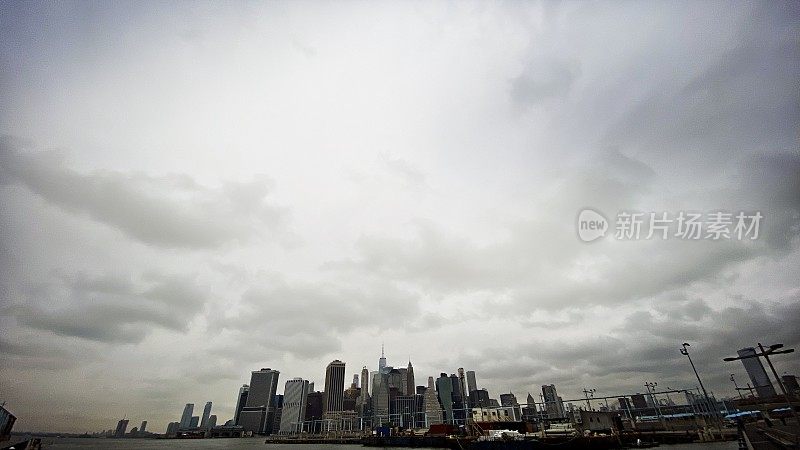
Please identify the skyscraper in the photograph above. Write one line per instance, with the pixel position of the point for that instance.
(240, 402)
(334, 390)
(758, 376)
(552, 404)
(295, 395)
(365, 382)
(212, 421)
(122, 425)
(382, 362)
(471, 383)
(445, 388)
(206, 413)
(186, 417)
(257, 411)
(433, 410)
(143, 428)
(462, 384)
(410, 384)
(380, 397)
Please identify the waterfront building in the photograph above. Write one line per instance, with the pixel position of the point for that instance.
(186, 417)
(212, 421)
(499, 414)
(241, 402)
(195, 422)
(433, 409)
(295, 396)
(404, 410)
(259, 409)
(758, 376)
(172, 428)
(313, 410)
(206, 413)
(122, 425)
(333, 396)
(143, 427)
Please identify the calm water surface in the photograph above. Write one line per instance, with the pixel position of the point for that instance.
(249, 444)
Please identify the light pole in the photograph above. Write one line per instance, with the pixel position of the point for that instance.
(773, 349)
(685, 351)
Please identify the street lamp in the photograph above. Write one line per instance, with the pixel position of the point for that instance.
(685, 351)
(773, 349)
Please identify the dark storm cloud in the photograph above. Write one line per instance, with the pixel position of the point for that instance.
(169, 211)
(110, 309)
(646, 347)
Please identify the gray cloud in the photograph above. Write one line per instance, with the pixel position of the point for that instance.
(171, 211)
(109, 309)
(544, 78)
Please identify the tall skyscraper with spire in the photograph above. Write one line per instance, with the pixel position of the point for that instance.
(410, 384)
(382, 362)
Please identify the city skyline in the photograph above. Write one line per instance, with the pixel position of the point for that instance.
(191, 192)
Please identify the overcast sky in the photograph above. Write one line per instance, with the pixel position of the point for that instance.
(190, 191)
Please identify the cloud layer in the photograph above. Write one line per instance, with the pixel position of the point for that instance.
(190, 192)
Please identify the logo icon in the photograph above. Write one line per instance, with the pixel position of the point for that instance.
(591, 225)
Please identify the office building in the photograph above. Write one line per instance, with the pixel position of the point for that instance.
(410, 382)
(259, 409)
(446, 389)
(241, 401)
(206, 413)
(186, 417)
(334, 387)
(552, 402)
(380, 397)
(472, 385)
(295, 396)
(433, 409)
(212, 421)
(143, 427)
(122, 425)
